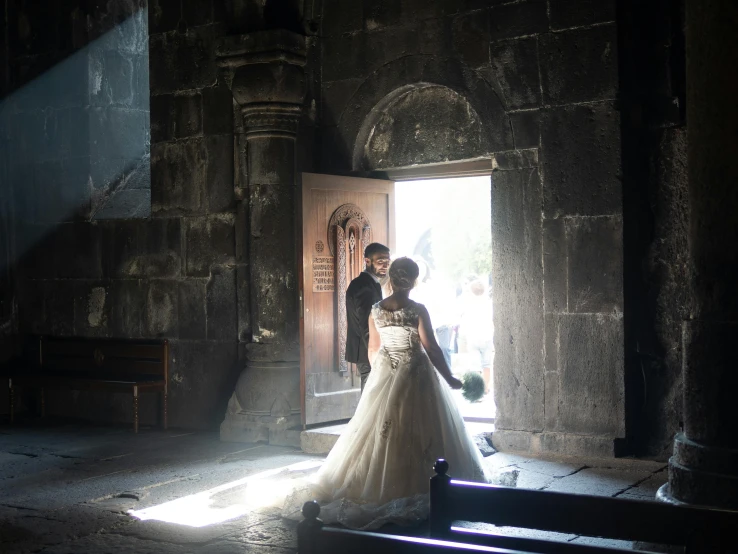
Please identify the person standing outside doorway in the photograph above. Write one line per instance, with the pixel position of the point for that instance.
(361, 295)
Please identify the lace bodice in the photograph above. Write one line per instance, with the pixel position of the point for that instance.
(398, 330)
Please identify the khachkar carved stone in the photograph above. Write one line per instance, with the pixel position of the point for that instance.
(351, 228)
(704, 467)
(265, 70)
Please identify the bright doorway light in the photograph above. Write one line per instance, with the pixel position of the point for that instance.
(445, 225)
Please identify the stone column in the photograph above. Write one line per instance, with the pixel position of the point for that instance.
(704, 467)
(266, 71)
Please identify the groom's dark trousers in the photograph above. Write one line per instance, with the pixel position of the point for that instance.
(361, 295)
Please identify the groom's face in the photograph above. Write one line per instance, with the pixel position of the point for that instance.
(378, 264)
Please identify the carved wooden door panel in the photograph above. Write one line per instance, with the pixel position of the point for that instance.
(340, 216)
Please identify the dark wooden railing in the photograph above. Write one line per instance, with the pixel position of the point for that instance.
(696, 529)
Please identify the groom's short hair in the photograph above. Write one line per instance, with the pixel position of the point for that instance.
(375, 248)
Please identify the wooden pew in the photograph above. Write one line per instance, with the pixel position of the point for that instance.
(110, 364)
(314, 538)
(696, 529)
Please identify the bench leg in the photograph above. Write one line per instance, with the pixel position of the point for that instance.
(135, 409)
(11, 398)
(164, 407)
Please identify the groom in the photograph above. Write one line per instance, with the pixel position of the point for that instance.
(361, 295)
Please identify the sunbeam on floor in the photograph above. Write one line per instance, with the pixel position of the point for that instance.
(231, 500)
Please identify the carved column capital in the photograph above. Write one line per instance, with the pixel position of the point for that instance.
(267, 78)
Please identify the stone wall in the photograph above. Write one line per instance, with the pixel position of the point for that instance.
(532, 84)
(658, 299)
(171, 275)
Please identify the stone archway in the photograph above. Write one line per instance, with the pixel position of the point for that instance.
(417, 81)
(416, 125)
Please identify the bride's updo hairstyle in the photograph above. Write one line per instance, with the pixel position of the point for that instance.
(403, 274)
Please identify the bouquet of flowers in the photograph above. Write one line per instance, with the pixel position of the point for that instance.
(472, 386)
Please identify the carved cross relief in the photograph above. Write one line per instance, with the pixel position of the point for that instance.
(350, 232)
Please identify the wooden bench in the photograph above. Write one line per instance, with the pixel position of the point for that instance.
(696, 529)
(314, 538)
(109, 364)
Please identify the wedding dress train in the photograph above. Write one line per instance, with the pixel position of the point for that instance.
(378, 471)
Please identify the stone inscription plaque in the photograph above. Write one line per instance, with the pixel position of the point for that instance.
(324, 274)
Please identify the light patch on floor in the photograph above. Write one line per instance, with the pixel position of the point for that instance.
(220, 504)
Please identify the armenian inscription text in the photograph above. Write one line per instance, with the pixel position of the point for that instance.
(324, 277)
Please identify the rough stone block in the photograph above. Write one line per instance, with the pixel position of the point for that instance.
(415, 10)
(182, 62)
(335, 97)
(192, 314)
(162, 313)
(580, 65)
(574, 13)
(221, 197)
(592, 399)
(142, 93)
(113, 78)
(120, 26)
(580, 156)
(551, 345)
(27, 130)
(341, 17)
(127, 204)
(470, 36)
(380, 13)
(33, 243)
(518, 19)
(551, 383)
(129, 307)
(175, 116)
(63, 191)
(222, 304)
(516, 159)
(595, 282)
(77, 251)
(210, 241)
(514, 65)
(178, 177)
(31, 306)
(77, 134)
(118, 133)
(20, 177)
(217, 109)
(526, 128)
(359, 54)
(164, 15)
(92, 309)
(57, 127)
(59, 307)
(145, 248)
(203, 375)
(196, 12)
(555, 266)
(516, 248)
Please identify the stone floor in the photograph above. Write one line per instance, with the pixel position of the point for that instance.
(67, 488)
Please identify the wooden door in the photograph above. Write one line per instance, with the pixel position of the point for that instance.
(340, 216)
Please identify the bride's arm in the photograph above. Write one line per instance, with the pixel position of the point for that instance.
(425, 329)
(374, 341)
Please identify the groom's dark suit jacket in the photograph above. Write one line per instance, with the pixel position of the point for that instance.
(362, 294)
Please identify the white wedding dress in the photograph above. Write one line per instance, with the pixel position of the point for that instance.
(379, 469)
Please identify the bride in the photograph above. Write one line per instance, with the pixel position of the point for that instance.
(379, 469)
